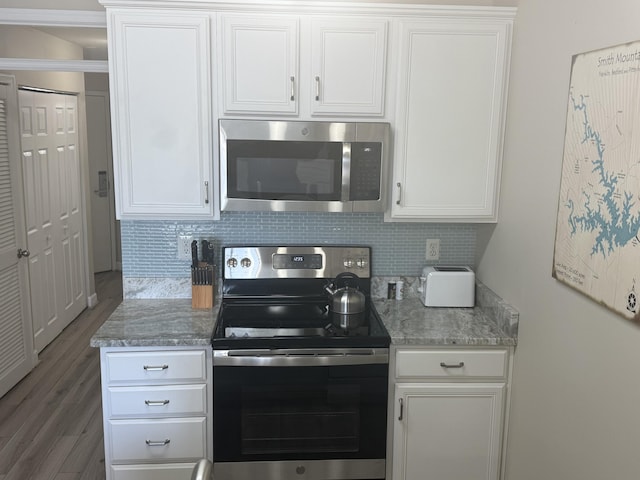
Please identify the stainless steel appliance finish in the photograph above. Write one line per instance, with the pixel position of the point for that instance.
(311, 470)
(301, 357)
(277, 262)
(303, 166)
(296, 396)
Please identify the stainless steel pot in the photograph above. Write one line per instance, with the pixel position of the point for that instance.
(346, 303)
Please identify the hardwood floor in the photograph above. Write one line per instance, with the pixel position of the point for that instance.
(51, 422)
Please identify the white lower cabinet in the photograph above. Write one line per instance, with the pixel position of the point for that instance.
(449, 413)
(156, 411)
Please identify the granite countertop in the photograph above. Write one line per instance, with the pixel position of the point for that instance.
(172, 322)
(156, 323)
(409, 322)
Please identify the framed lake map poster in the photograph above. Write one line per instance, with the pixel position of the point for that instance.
(597, 244)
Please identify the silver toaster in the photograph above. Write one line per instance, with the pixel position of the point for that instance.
(448, 286)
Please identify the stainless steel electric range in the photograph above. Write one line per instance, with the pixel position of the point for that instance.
(300, 366)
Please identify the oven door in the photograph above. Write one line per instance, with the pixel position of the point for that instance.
(299, 415)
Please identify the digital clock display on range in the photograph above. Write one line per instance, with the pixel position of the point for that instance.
(297, 261)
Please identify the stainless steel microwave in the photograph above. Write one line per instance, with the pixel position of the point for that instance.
(303, 166)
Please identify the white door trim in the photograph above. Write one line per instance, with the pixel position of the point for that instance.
(112, 218)
(37, 64)
(53, 18)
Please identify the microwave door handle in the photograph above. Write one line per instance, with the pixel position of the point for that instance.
(346, 172)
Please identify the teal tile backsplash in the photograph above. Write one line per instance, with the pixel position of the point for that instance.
(149, 248)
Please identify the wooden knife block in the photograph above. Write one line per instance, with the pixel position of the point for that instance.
(202, 285)
(201, 296)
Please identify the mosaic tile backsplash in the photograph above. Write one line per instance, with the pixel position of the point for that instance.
(149, 248)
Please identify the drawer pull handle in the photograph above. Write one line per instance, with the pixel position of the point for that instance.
(446, 365)
(157, 403)
(157, 368)
(401, 409)
(161, 443)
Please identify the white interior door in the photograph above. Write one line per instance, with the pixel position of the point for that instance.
(101, 175)
(16, 341)
(51, 172)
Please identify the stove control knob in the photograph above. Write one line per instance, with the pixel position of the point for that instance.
(348, 263)
(361, 263)
(245, 262)
(232, 263)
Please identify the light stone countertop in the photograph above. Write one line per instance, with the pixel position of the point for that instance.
(156, 323)
(491, 322)
(172, 322)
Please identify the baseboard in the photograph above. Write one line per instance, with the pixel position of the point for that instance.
(92, 300)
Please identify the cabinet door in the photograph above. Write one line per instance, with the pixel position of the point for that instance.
(348, 66)
(260, 63)
(159, 74)
(450, 120)
(447, 431)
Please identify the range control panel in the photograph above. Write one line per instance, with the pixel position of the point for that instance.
(254, 262)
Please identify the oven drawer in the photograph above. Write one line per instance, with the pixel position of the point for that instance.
(162, 471)
(162, 401)
(451, 363)
(173, 439)
(155, 367)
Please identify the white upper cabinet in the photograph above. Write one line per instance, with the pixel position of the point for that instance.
(160, 79)
(259, 63)
(450, 109)
(302, 66)
(348, 66)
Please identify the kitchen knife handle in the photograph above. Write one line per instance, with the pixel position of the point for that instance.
(317, 88)
(206, 192)
(293, 88)
(399, 185)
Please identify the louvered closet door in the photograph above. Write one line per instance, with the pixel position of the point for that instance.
(50, 165)
(16, 348)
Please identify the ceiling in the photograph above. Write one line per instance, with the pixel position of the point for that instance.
(93, 40)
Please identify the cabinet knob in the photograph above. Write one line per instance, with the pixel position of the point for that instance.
(317, 88)
(293, 88)
(399, 185)
(401, 409)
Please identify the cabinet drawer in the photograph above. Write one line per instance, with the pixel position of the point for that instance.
(462, 363)
(134, 441)
(163, 401)
(155, 367)
(163, 471)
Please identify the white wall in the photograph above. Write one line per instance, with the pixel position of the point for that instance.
(26, 42)
(576, 395)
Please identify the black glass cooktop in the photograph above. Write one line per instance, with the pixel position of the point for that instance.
(292, 325)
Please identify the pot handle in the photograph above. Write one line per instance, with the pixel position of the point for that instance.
(344, 277)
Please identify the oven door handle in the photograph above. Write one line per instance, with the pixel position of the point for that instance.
(300, 357)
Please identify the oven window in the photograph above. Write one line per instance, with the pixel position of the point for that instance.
(284, 170)
(286, 420)
(290, 413)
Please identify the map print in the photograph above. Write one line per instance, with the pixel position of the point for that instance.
(597, 246)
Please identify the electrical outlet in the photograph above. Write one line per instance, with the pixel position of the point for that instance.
(184, 247)
(433, 249)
